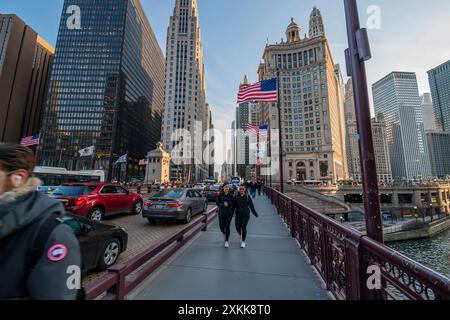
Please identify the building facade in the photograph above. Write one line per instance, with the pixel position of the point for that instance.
(396, 96)
(185, 90)
(311, 96)
(383, 162)
(439, 151)
(25, 66)
(439, 79)
(429, 120)
(106, 89)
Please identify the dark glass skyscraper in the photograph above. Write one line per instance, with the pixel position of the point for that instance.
(439, 78)
(106, 88)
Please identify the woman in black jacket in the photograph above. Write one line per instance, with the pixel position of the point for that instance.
(244, 205)
(225, 203)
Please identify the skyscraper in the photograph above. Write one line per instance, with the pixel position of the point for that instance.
(25, 65)
(429, 120)
(439, 79)
(313, 135)
(396, 96)
(185, 94)
(439, 150)
(383, 163)
(106, 88)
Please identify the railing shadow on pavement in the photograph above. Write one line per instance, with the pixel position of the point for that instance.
(350, 263)
(121, 279)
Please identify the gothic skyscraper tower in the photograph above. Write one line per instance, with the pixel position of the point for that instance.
(185, 89)
(316, 26)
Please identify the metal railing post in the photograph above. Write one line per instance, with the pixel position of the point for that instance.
(119, 289)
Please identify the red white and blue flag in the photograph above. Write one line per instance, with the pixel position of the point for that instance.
(31, 141)
(261, 130)
(264, 130)
(251, 128)
(265, 91)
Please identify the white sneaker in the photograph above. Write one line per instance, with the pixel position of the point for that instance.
(227, 245)
(243, 245)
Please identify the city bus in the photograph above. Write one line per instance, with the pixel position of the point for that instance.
(51, 176)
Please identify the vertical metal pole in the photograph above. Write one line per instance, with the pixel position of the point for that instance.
(280, 133)
(372, 205)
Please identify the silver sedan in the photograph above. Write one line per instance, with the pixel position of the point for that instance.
(175, 205)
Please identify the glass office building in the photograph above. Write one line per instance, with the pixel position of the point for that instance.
(106, 89)
(396, 96)
(439, 79)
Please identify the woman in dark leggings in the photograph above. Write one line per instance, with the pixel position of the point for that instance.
(244, 205)
(225, 203)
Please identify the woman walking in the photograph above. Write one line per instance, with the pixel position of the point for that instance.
(226, 204)
(244, 205)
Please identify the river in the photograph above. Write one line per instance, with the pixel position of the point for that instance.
(433, 253)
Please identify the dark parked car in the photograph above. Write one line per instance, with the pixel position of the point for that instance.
(174, 204)
(211, 193)
(97, 200)
(101, 244)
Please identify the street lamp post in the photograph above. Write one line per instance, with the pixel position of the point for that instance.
(280, 133)
(356, 55)
(60, 156)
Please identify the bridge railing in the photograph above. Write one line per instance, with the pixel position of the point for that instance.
(121, 279)
(353, 266)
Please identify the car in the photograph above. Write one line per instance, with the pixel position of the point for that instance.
(174, 205)
(95, 201)
(212, 193)
(101, 244)
(200, 186)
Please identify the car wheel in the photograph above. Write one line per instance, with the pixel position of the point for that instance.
(109, 254)
(188, 217)
(137, 209)
(96, 214)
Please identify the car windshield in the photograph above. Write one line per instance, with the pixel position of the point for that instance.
(169, 194)
(73, 191)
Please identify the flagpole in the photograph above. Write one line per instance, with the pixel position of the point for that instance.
(280, 133)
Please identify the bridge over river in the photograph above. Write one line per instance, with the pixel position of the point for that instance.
(293, 253)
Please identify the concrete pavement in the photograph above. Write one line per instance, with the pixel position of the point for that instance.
(271, 267)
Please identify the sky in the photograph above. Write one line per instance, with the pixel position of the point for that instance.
(413, 35)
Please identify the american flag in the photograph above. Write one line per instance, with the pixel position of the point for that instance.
(31, 141)
(266, 91)
(264, 130)
(261, 130)
(251, 128)
(143, 162)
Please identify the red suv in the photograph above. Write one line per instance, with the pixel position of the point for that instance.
(97, 200)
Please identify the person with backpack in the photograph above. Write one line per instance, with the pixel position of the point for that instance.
(244, 205)
(225, 203)
(39, 255)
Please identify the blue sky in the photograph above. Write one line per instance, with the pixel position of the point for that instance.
(413, 36)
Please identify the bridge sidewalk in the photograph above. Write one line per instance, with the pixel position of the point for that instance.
(272, 266)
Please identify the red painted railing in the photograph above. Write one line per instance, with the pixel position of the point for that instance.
(349, 261)
(123, 278)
